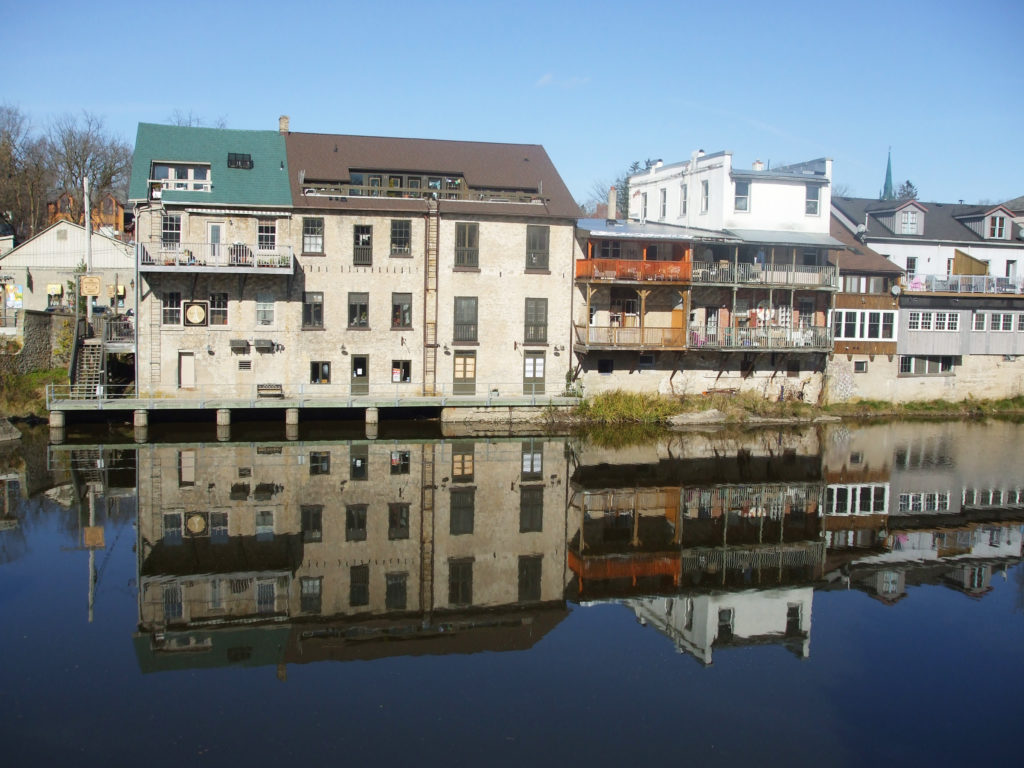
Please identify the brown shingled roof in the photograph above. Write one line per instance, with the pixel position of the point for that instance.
(858, 257)
(331, 157)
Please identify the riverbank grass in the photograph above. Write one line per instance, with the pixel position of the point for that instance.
(620, 408)
(25, 394)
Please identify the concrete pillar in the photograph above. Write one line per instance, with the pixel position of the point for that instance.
(291, 431)
(141, 434)
(56, 435)
(141, 418)
(291, 416)
(223, 433)
(372, 417)
(223, 417)
(57, 419)
(371, 431)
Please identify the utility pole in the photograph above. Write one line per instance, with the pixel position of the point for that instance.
(88, 247)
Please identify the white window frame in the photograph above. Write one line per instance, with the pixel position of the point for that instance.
(997, 228)
(1001, 321)
(170, 308)
(182, 176)
(908, 223)
(863, 324)
(705, 196)
(741, 200)
(265, 309)
(266, 234)
(812, 200)
(682, 199)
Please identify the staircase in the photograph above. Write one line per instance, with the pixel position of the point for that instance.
(88, 370)
(430, 300)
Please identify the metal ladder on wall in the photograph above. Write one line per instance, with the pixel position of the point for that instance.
(427, 532)
(155, 314)
(430, 300)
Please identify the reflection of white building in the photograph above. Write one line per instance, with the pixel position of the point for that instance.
(699, 624)
(995, 541)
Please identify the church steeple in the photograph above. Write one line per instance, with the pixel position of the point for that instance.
(887, 191)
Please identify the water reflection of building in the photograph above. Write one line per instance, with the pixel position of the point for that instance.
(701, 623)
(713, 551)
(914, 504)
(347, 547)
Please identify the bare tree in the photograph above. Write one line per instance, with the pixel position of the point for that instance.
(191, 120)
(841, 190)
(80, 147)
(597, 195)
(25, 175)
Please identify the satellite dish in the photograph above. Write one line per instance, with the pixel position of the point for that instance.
(896, 290)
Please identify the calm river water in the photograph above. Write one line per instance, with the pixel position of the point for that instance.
(834, 595)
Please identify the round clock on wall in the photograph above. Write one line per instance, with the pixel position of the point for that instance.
(195, 314)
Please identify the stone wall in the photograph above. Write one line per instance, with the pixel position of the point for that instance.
(46, 340)
(974, 376)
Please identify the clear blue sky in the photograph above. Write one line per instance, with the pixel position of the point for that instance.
(598, 84)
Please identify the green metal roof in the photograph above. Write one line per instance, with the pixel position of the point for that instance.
(266, 183)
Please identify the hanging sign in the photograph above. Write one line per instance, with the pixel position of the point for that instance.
(89, 285)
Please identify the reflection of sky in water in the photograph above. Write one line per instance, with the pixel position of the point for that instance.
(915, 612)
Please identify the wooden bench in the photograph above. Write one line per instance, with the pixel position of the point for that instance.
(727, 391)
(269, 390)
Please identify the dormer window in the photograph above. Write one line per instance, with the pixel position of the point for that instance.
(997, 227)
(239, 160)
(178, 176)
(908, 223)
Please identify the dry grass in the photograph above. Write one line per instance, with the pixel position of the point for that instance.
(25, 394)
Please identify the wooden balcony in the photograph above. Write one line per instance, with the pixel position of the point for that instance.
(632, 270)
(215, 257)
(708, 273)
(614, 337)
(648, 338)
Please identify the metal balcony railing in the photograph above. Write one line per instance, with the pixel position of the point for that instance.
(305, 394)
(467, 257)
(198, 255)
(769, 337)
(362, 255)
(796, 275)
(964, 284)
(464, 332)
(699, 337)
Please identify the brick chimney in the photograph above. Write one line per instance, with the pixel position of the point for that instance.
(612, 212)
(282, 124)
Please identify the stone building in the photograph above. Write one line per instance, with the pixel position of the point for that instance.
(327, 266)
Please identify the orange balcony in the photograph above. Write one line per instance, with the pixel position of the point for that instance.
(632, 269)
